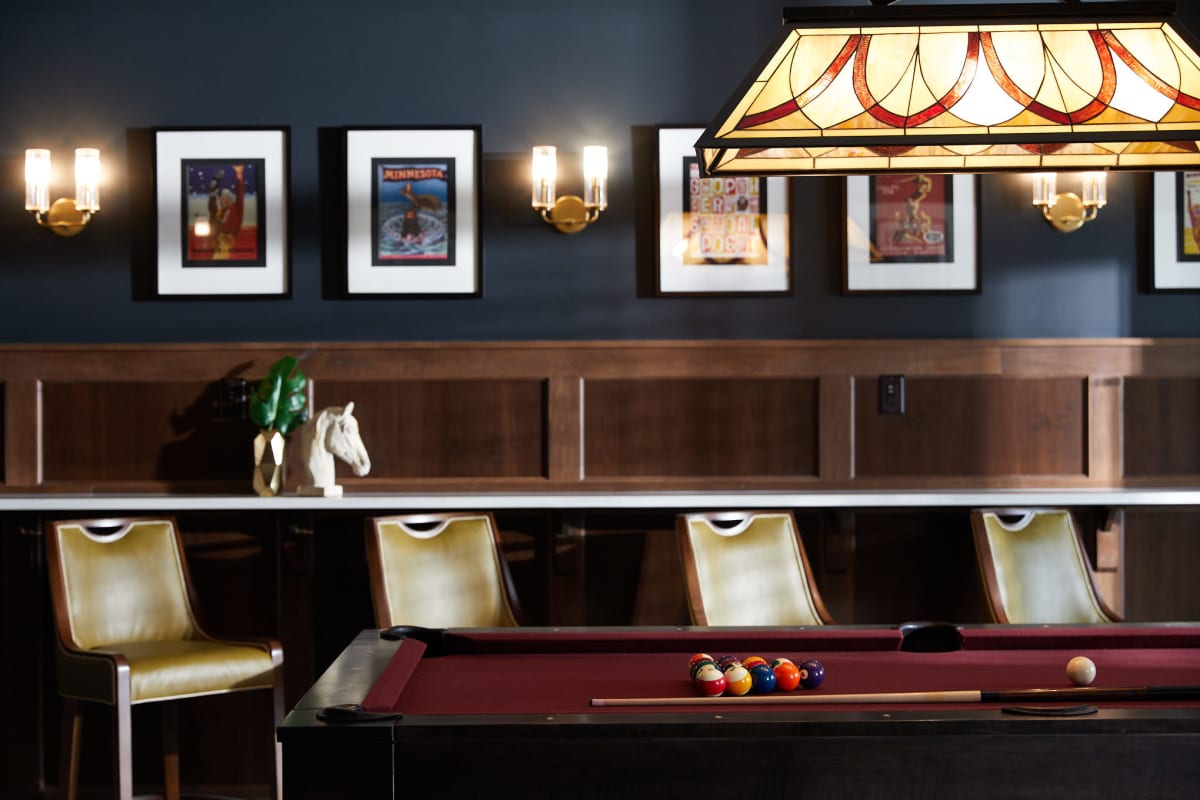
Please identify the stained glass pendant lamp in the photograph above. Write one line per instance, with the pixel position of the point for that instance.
(966, 88)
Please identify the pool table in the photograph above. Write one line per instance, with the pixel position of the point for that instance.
(511, 713)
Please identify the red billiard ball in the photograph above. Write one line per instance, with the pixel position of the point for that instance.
(699, 657)
(812, 673)
(787, 676)
(710, 681)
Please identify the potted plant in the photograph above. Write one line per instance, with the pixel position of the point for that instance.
(278, 406)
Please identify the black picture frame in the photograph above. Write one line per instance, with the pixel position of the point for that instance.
(945, 259)
(221, 198)
(413, 210)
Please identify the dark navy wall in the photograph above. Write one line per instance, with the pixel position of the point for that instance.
(529, 72)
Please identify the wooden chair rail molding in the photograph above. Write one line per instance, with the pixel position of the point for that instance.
(609, 416)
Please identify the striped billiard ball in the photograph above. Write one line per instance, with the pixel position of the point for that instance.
(738, 680)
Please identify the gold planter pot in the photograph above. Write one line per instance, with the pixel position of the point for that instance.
(268, 463)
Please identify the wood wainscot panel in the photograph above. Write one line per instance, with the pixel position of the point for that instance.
(739, 427)
(973, 426)
(1161, 426)
(3, 431)
(102, 431)
(447, 428)
(1161, 554)
(20, 440)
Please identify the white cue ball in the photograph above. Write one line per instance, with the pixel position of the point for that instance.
(1081, 671)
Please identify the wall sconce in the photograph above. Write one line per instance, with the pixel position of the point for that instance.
(570, 214)
(66, 216)
(1067, 212)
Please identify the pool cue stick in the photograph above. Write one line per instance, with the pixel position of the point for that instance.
(1059, 695)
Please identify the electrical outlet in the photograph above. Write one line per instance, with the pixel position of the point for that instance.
(891, 394)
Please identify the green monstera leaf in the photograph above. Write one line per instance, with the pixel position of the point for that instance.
(280, 403)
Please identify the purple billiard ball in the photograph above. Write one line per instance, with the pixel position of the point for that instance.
(725, 662)
(812, 673)
(762, 679)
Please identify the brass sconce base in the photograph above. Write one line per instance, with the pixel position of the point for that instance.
(1068, 213)
(64, 218)
(569, 214)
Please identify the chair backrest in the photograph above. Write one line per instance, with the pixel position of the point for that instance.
(439, 571)
(1034, 568)
(118, 581)
(748, 569)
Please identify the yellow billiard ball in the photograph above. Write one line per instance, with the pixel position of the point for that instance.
(738, 681)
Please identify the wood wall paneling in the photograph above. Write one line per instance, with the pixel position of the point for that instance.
(716, 414)
(3, 437)
(982, 426)
(1161, 424)
(1162, 549)
(21, 437)
(164, 430)
(701, 427)
(447, 428)
(564, 445)
(1103, 435)
(836, 428)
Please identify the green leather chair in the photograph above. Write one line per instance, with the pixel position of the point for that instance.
(748, 569)
(439, 571)
(127, 634)
(1034, 569)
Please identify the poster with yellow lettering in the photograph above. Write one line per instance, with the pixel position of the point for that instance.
(724, 219)
(717, 235)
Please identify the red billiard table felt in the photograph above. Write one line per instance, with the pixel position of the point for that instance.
(549, 672)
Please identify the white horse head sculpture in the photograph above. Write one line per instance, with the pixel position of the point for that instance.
(333, 432)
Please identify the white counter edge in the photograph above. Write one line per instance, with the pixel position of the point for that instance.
(698, 500)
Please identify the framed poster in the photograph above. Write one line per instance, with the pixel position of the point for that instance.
(910, 233)
(221, 198)
(1175, 266)
(412, 204)
(724, 235)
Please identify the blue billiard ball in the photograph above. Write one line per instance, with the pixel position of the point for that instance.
(812, 673)
(762, 679)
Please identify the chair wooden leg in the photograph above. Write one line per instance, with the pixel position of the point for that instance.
(72, 728)
(170, 748)
(123, 753)
(277, 711)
